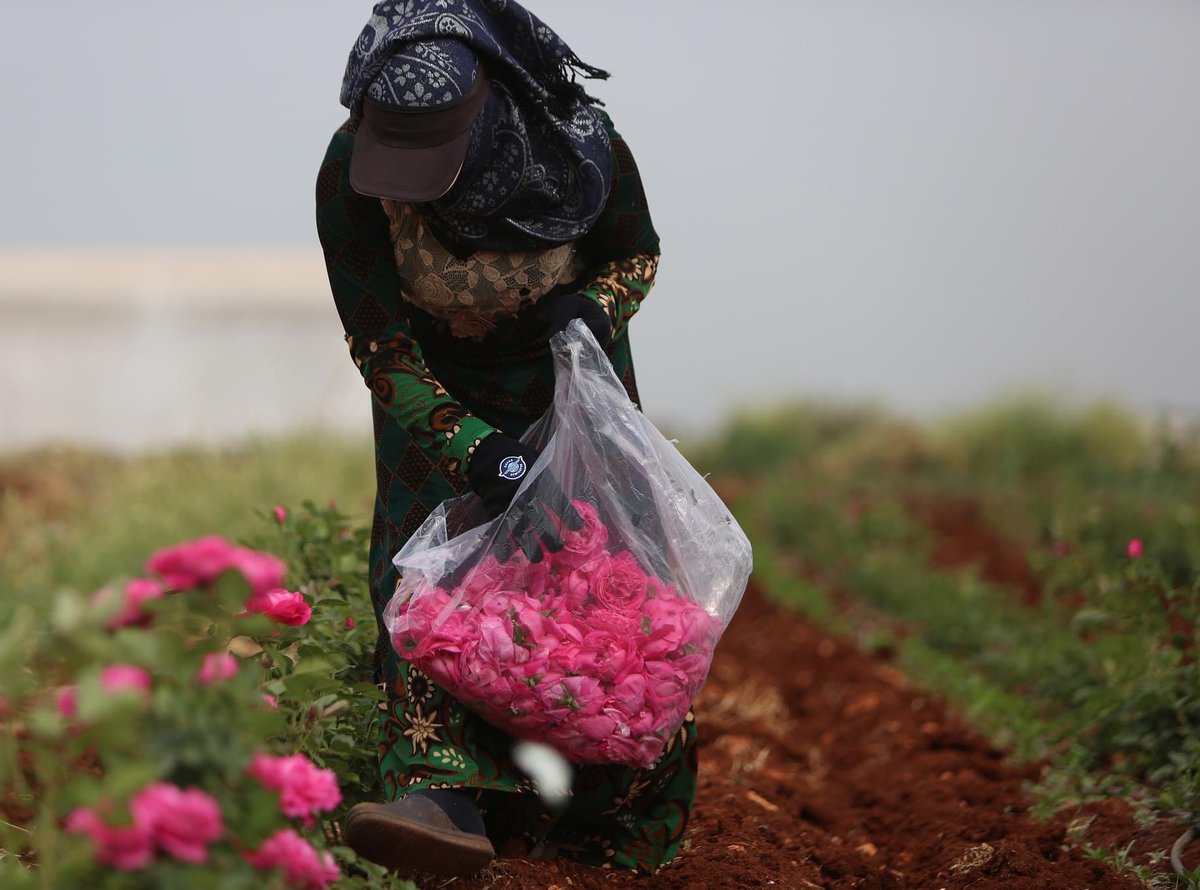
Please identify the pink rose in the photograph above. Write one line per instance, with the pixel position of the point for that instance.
(455, 629)
(435, 640)
(567, 739)
(304, 789)
(600, 654)
(264, 572)
(609, 657)
(491, 574)
(597, 728)
(119, 678)
(414, 624)
(303, 866)
(192, 564)
(1134, 548)
(638, 751)
(497, 604)
(198, 563)
(135, 592)
(280, 514)
(270, 701)
(524, 725)
(661, 626)
(217, 666)
(647, 722)
(518, 574)
(576, 584)
(282, 606)
(582, 544)
(67, 700)
(699, 629)
(581, 695)
(623, 588)
(446, 668)
(630, 694)
(182, 823)
(531, 628)
(126, 847)
(536, 578)
(349, 623)
(494, 655)
(666, 688)
(618, 622)
(695, 668)
(515, 687)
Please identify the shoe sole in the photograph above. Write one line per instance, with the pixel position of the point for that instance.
(403, 845)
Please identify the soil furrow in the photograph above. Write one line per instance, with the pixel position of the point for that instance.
(822, 767)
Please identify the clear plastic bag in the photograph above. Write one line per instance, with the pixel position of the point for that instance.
(597, 648)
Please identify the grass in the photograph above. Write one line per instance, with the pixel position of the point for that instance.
(78, 519)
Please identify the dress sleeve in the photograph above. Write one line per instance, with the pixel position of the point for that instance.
(622, 247)
(367, 288)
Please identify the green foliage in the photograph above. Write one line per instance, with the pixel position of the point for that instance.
(1030, 436)
(329, 675)
(1138, 720)
(77, 519)
(769, 440)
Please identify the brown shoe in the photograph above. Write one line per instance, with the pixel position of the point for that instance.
(414, 834)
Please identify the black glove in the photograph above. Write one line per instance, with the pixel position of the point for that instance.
(495, 472)
(497, 469)
(566, 307)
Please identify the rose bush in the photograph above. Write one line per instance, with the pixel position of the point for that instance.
(203, 724)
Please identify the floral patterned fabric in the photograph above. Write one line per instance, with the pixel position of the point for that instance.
(617, 817)
(434, 396)
(470, 293)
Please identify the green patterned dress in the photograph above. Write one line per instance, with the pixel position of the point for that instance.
(444, 371)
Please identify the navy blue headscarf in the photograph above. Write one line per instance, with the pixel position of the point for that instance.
(539, 167)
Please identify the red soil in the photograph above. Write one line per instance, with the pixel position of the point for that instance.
(821, 767)
(964, 538)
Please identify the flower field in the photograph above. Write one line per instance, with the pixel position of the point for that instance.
(967, 659)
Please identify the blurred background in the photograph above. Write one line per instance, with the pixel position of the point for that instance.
(921, 203)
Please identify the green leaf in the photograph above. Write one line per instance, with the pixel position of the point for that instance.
(122, 779)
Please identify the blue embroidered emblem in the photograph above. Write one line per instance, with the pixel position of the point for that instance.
(512, 467)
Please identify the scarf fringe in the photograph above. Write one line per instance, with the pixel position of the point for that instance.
(564, 85)
(578, 66)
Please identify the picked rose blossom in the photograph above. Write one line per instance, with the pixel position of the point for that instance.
(584, 649)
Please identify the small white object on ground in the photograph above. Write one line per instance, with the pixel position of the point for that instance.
(549, 770)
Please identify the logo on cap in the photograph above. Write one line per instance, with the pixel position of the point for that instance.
(512, 467)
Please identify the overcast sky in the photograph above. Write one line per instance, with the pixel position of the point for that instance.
(925, 202)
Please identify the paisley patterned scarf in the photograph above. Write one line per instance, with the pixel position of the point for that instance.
(539, 167)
